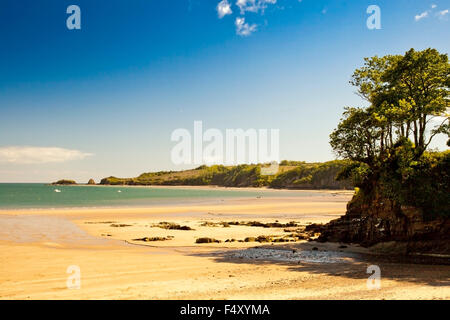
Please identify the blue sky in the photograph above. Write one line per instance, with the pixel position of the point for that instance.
(114, 91)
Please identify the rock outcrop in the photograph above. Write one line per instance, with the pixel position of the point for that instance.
(64, 182)
(383, 221)
(91, 182)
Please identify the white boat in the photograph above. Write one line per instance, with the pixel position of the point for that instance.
(57, 190)
(119, 191)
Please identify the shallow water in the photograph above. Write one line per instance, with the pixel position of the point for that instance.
(282, 255)
(51, 229)
(34, 196)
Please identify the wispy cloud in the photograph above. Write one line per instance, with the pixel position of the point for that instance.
(421, 16)
(223, 8)
(36, 155)
(253, 5)
(243, 28)
(441, 14)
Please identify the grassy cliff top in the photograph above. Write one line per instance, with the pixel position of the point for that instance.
(291, 174)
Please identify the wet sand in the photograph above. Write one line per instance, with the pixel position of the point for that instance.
(37, 247)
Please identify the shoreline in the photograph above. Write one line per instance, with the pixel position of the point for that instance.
(228, 205)
(212, 187)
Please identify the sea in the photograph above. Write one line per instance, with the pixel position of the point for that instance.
(39, 195)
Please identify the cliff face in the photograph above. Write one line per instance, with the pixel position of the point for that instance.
(382, 220)
(313, 176)
(324, 182)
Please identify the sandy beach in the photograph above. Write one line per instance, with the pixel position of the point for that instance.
(38, 246)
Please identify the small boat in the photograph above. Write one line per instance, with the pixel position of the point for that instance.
(119, 191)
(57, 190)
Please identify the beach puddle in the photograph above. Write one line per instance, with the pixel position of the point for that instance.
(44, 229)
(282, 255)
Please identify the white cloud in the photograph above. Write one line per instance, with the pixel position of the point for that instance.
(440, 14)
(421, 16)
(243, 28)
(33, 155)
(223, 8)
(443, 13)
(253, 5)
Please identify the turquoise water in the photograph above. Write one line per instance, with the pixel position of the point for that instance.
(23, 196)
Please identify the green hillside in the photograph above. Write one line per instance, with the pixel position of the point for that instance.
(291, 174)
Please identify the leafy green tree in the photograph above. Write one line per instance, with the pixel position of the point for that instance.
(357, 135)
(406, 95)
(420, 81)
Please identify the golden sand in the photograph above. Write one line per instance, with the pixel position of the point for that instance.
(37, 247)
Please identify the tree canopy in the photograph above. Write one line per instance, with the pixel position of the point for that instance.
(409, 100)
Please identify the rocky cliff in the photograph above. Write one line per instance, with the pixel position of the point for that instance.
(381, 221)
(402, 201)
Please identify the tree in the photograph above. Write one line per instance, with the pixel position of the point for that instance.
(421, 82)
(356, 136)
(406, 94)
